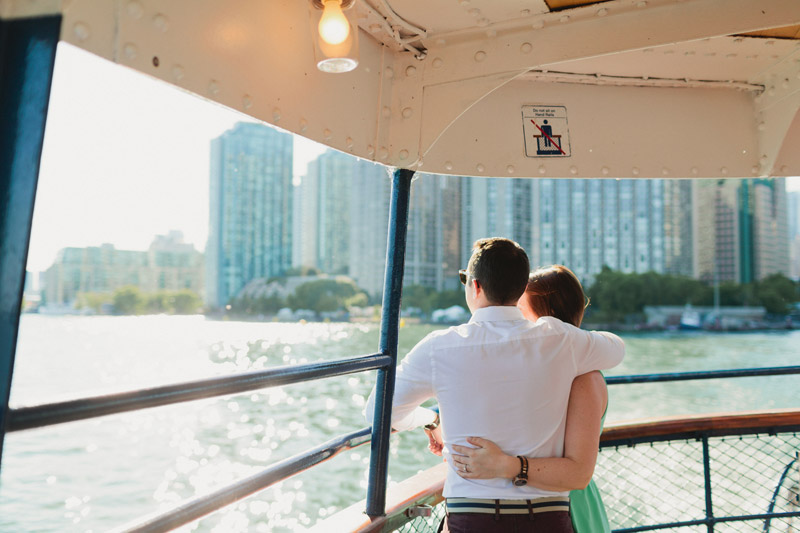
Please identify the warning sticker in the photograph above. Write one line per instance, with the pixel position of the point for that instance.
(546, 131)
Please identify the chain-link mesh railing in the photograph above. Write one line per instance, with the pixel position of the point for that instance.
(751, 483)
(649, 485)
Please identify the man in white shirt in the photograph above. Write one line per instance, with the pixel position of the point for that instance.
(503, 378)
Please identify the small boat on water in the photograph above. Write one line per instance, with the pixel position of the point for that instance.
(526, 89)
(691, 319)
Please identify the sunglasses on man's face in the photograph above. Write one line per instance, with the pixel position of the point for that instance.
(462, 275)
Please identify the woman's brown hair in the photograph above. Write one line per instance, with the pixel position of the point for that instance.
(556, 291)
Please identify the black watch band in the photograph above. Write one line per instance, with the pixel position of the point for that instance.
(522, 478)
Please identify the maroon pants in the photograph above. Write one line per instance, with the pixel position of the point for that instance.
(550, 522)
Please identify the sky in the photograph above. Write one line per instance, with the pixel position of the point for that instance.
(126, 158)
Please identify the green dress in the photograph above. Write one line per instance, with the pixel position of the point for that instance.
(586, 507)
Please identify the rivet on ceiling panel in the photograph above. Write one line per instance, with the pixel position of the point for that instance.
(510, 169)
(304, 125)
(178, 72)
(480, 56)
(370, 149)
(247, 102)
(349, 142)
(573, 170)
(411, 71)
(448, 165)
(480, 168)
(602, 12)
(526, 48)
(408, 112)
(213, 87)
(542, 169)
(135, 9)
(437, 62)
(130, 50)
(538, 25)
(160, 22)
(754, 169)
(403, 155)
(276, 114)
(383, 153)
(388, 72)
(635, 171)
(605, 171)
(694, 171)
(81, 31)
(326, 133)
(665, 171)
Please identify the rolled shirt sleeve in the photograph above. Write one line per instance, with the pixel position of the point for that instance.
(596, 350)
(413, 385)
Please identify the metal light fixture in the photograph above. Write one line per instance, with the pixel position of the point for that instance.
(335, 35)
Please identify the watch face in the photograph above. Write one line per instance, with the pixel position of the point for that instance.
(520, 481)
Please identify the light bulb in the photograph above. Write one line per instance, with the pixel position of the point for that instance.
(333, 26)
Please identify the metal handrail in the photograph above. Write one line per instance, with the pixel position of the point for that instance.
(80, 409)
(198, 507)
(709, 374)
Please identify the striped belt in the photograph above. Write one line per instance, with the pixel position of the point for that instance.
(478, 505)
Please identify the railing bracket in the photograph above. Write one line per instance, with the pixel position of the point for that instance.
(419, 510)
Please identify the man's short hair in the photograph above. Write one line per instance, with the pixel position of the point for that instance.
(501, 267)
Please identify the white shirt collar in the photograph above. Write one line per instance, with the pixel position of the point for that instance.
(496, 313)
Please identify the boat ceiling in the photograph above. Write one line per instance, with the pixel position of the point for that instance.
(629, 88)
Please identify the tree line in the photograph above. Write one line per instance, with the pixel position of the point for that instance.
(616, 296)
(319, 296)
(131, 300)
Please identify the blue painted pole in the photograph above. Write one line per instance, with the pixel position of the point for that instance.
(390, 330)
(27, 57)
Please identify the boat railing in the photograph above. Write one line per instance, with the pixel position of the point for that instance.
(681, 473)
(38, 416)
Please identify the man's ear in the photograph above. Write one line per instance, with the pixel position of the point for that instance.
(476, 288)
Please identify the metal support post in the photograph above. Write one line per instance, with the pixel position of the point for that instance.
(27, 57)
(390, 324)
(707, 477)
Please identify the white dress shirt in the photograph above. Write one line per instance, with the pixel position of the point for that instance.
(500, 377)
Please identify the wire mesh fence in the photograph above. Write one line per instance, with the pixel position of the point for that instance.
(753, 486)
(649, 485)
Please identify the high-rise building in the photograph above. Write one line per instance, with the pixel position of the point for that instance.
(496, 207)
(250, 219)
(588, 224)
(741, 232)
(432, 252)
(678, 223)
(369, 219)
(793, 208)
(324, 201)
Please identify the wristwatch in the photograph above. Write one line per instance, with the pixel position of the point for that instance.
(521, 479)
(433, 425)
